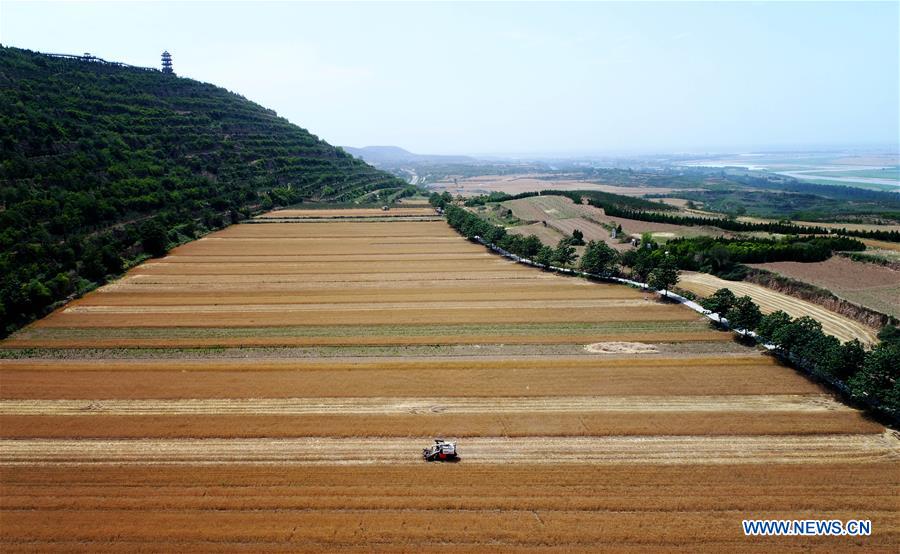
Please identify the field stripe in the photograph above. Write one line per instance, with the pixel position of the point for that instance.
(355, 341)
(549, 364)
(481, 450)
(356, 306)
(390, 406)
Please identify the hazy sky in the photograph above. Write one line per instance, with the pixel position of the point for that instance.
(519, 77)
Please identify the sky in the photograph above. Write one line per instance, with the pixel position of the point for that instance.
(519, 78)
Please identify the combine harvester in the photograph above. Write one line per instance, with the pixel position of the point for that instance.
(441, 451)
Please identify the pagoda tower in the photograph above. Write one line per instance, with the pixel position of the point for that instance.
(167, 63)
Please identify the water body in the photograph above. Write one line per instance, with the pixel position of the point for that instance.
(818, 174)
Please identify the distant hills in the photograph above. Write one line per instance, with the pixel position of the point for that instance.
(394, 155)
(102, 165)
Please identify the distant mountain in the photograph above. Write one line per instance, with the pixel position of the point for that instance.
(394, 155)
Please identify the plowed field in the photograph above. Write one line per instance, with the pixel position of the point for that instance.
(409, 333)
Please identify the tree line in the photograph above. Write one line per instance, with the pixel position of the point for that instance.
(722, 256)
(869, 376)
(659, 270)
(780, 227)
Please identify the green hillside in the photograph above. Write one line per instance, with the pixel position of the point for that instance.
(102, 165)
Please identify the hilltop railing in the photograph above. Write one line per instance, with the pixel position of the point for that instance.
(87, 57)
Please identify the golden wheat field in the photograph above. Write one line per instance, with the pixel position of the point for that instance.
(270, 387)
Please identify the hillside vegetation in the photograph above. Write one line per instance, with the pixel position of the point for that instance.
(102, 165)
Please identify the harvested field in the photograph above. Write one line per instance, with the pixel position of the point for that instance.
(298, 315)
(547, 234)
(661, 231)
(489, 450)
(355, 231)
(591, 230)
(540, 208)
(559, 216)
(373, 507)
(593, 376)
(564, 216)
(371, 337)
(669, 349)
(198, 340)
(443, 405)
(869, 285)
(881, 245)
(673, 422)
(770, 301)
(348, 213)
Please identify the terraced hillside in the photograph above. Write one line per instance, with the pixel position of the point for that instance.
(270, 387)
(102, 164)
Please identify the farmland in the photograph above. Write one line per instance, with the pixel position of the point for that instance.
(869, 285)
(769, 301)
(270, 386)
(518, 183)
(347, 213)
(563, 215)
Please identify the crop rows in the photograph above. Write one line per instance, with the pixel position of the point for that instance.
(342, 348)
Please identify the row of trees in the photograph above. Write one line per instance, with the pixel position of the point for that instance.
(780, 227)
(659, 270)
(593, 197)
(530, 247)
(871, 376)
(471, 226)
(719, 256)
